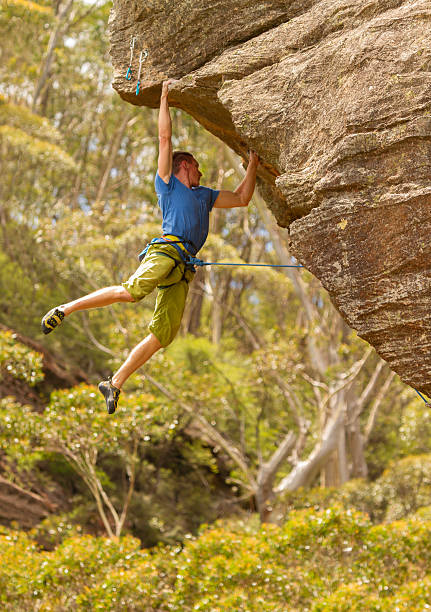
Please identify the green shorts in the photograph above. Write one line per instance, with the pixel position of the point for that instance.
(162, 268)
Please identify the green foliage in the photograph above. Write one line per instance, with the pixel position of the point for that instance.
(415, 429)
(402, 490)
(21, 118)
(327, 560)
(407, 486)
(31, 7)
(18, 360)
(137, 447)
(18, 562)
(36, 150)
(55, 579)
(54, 529)
(24, 33)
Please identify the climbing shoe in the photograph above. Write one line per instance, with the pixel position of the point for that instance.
(111, 395)
(51, 320)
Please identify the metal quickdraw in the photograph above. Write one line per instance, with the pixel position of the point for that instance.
(143, 56)
(129, 69)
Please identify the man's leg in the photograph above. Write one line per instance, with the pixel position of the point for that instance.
(111, 388)
(136, 358)
(163, 327)
(101, 297)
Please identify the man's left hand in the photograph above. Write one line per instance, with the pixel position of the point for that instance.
(253, 158)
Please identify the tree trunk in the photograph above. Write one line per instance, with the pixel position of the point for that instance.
(304, 472)
(343, 466)
(219, 302)
(112, 154)
(54, 39)
(356, 445)
(267, 472)
(192, 315)
(83, 154)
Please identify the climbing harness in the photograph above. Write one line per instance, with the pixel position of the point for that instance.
(190, 261)
(129, 69)
(143, 56)
(427, 402)
(185, 256)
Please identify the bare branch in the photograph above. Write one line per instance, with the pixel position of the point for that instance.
(243, 323)
(56, 34)
(211, 432)
(292, 400)
(305, 471)
(377, 402)
(367, 392)
(268, 470)
(89, 333)
(313, 382)
(131, 473)
(348, 378)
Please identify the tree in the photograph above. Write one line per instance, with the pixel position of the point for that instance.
(74, 427)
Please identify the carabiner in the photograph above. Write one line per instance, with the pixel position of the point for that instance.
(129, 69)
(143, 56)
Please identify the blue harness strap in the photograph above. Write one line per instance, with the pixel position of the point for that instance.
(188, 260)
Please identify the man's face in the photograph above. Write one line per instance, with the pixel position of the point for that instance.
(194, 173)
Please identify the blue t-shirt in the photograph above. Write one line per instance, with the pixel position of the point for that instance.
(185, 211)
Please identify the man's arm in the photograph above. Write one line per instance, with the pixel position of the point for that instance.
(243, 193)
(164, 165)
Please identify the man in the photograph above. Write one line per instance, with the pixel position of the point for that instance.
(185, 208)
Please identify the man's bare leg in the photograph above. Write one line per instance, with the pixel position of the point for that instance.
(111, 389)
(136, 358)
(101, 297)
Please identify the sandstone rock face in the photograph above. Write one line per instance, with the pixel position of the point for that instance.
(335, 96)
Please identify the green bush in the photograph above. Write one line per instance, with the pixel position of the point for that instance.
(411, 597)
(403, 488)
(331, 559)
(407, 486)
(18, 360)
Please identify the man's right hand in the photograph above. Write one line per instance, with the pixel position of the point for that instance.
(166, 86)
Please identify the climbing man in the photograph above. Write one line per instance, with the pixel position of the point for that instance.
(185, 207)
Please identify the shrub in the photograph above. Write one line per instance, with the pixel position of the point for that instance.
(319, 560)
(18, 360)
(407, 486)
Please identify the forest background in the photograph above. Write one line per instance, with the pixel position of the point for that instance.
(258, 463)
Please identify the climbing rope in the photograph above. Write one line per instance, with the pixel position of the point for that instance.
(427, 402)
(191, 261)
(195, 261)
(198, 262)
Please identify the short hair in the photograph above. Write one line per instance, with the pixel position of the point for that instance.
(178, 157)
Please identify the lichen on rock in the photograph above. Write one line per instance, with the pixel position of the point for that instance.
(335, 96)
